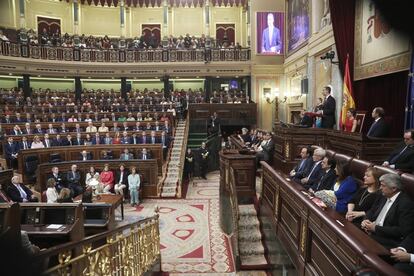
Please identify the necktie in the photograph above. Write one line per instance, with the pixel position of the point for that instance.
(381, 217)
(47, 143)
(301, 164)
(25, 145)
(395, 158)
(22, 192)
(314, 166)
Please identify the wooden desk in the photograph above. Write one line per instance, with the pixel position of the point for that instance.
(146, 168)
(229, 114)
(319, 242)
(290, 140)
(114, 200)
(72, 153)
(244, 167)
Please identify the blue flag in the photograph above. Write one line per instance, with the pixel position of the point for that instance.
(409, 108)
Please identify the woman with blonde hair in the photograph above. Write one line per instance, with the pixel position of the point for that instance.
(37, 144)
(51, 193)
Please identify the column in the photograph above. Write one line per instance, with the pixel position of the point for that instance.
(27, 92)
(164, 34)
(78, 88)
(166, 81)
(22, 13)
(207, 12)
(75, 17)
(122, 18)
(249, 5)
(124, 88)
(208, 88)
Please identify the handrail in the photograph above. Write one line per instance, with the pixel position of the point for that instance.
(67, 54)
(131, 253)
(182, 156)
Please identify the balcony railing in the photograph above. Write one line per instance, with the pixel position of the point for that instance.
(124, 55)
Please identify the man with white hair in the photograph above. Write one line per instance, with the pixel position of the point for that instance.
(18, 192)
(391, 218)
(316, 172)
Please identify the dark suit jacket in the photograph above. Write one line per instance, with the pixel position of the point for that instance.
(147, 140)
(408, 243)
(78, 143)
(405, 162)
(316, 175)
(88, 156)
(21, 145)
(38, 131)
(327, 181)
(57, 143)
(275, 42)
(73, 179)
(60, 180)
(268, 150)
(10, 149)
(167, 141)
(378, 129)
(95, 140)
(306, 121)
(328, 118)
(304, 170)
(126, 140)
(140, 156)
(14, 193)
(124, 179)
(398, 223)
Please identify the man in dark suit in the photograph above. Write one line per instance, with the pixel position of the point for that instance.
(165, 140)
(7, 119)
(302, 169)
(73, 181)
(68, 141)
(38, 129)
(267, 149)
(144, 138)
(328, 178)
(59, 178)
(47, 142)
(78, 141)
(404, 255)
(316, 172)
(125, 138)
(134, 139)
(57, 142)
(271, 42)
(379, 127)
(305, 120)
(402, 158)
(214, 123)
(11, 152)
(96, 140)
(126, 155)
(18, 192)
(153, 139)
(24, 144)
(27, 129)
(77, 128)
(144, 155)
(328, 109)
(391, 218)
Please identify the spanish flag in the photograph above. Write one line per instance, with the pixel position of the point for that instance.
(347, 97)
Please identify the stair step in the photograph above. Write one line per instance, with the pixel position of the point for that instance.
(252, 236)
(248, 222)
(251, 248)
(245, 210)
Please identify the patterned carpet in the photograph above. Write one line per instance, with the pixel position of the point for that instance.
(192, 242)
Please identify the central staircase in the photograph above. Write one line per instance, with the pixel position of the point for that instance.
(252, 252)
(175, 163)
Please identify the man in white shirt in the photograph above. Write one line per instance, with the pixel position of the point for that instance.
(271, 42)
(391, 219)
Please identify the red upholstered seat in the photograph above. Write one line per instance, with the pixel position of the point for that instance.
(330, 153)
(342, 158)
(358, 168)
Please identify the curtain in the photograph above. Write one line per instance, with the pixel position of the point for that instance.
(343, 22)
(152, 28)
(50, 24)
(223, 30)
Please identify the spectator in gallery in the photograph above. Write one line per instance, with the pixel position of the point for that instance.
(379, 127)
(271, 42)
(318, 106)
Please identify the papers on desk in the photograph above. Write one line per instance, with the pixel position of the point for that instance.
(54, 226)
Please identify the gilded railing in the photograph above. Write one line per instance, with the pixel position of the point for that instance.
(129, 250)
(43, 52)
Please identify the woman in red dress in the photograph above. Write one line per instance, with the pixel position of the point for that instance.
(350, 121)
(107, 179)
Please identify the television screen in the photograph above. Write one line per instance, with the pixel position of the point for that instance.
(269, 33)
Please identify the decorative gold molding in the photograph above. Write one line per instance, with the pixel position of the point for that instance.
(303, 237)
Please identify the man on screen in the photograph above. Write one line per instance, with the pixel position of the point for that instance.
(271, 42)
